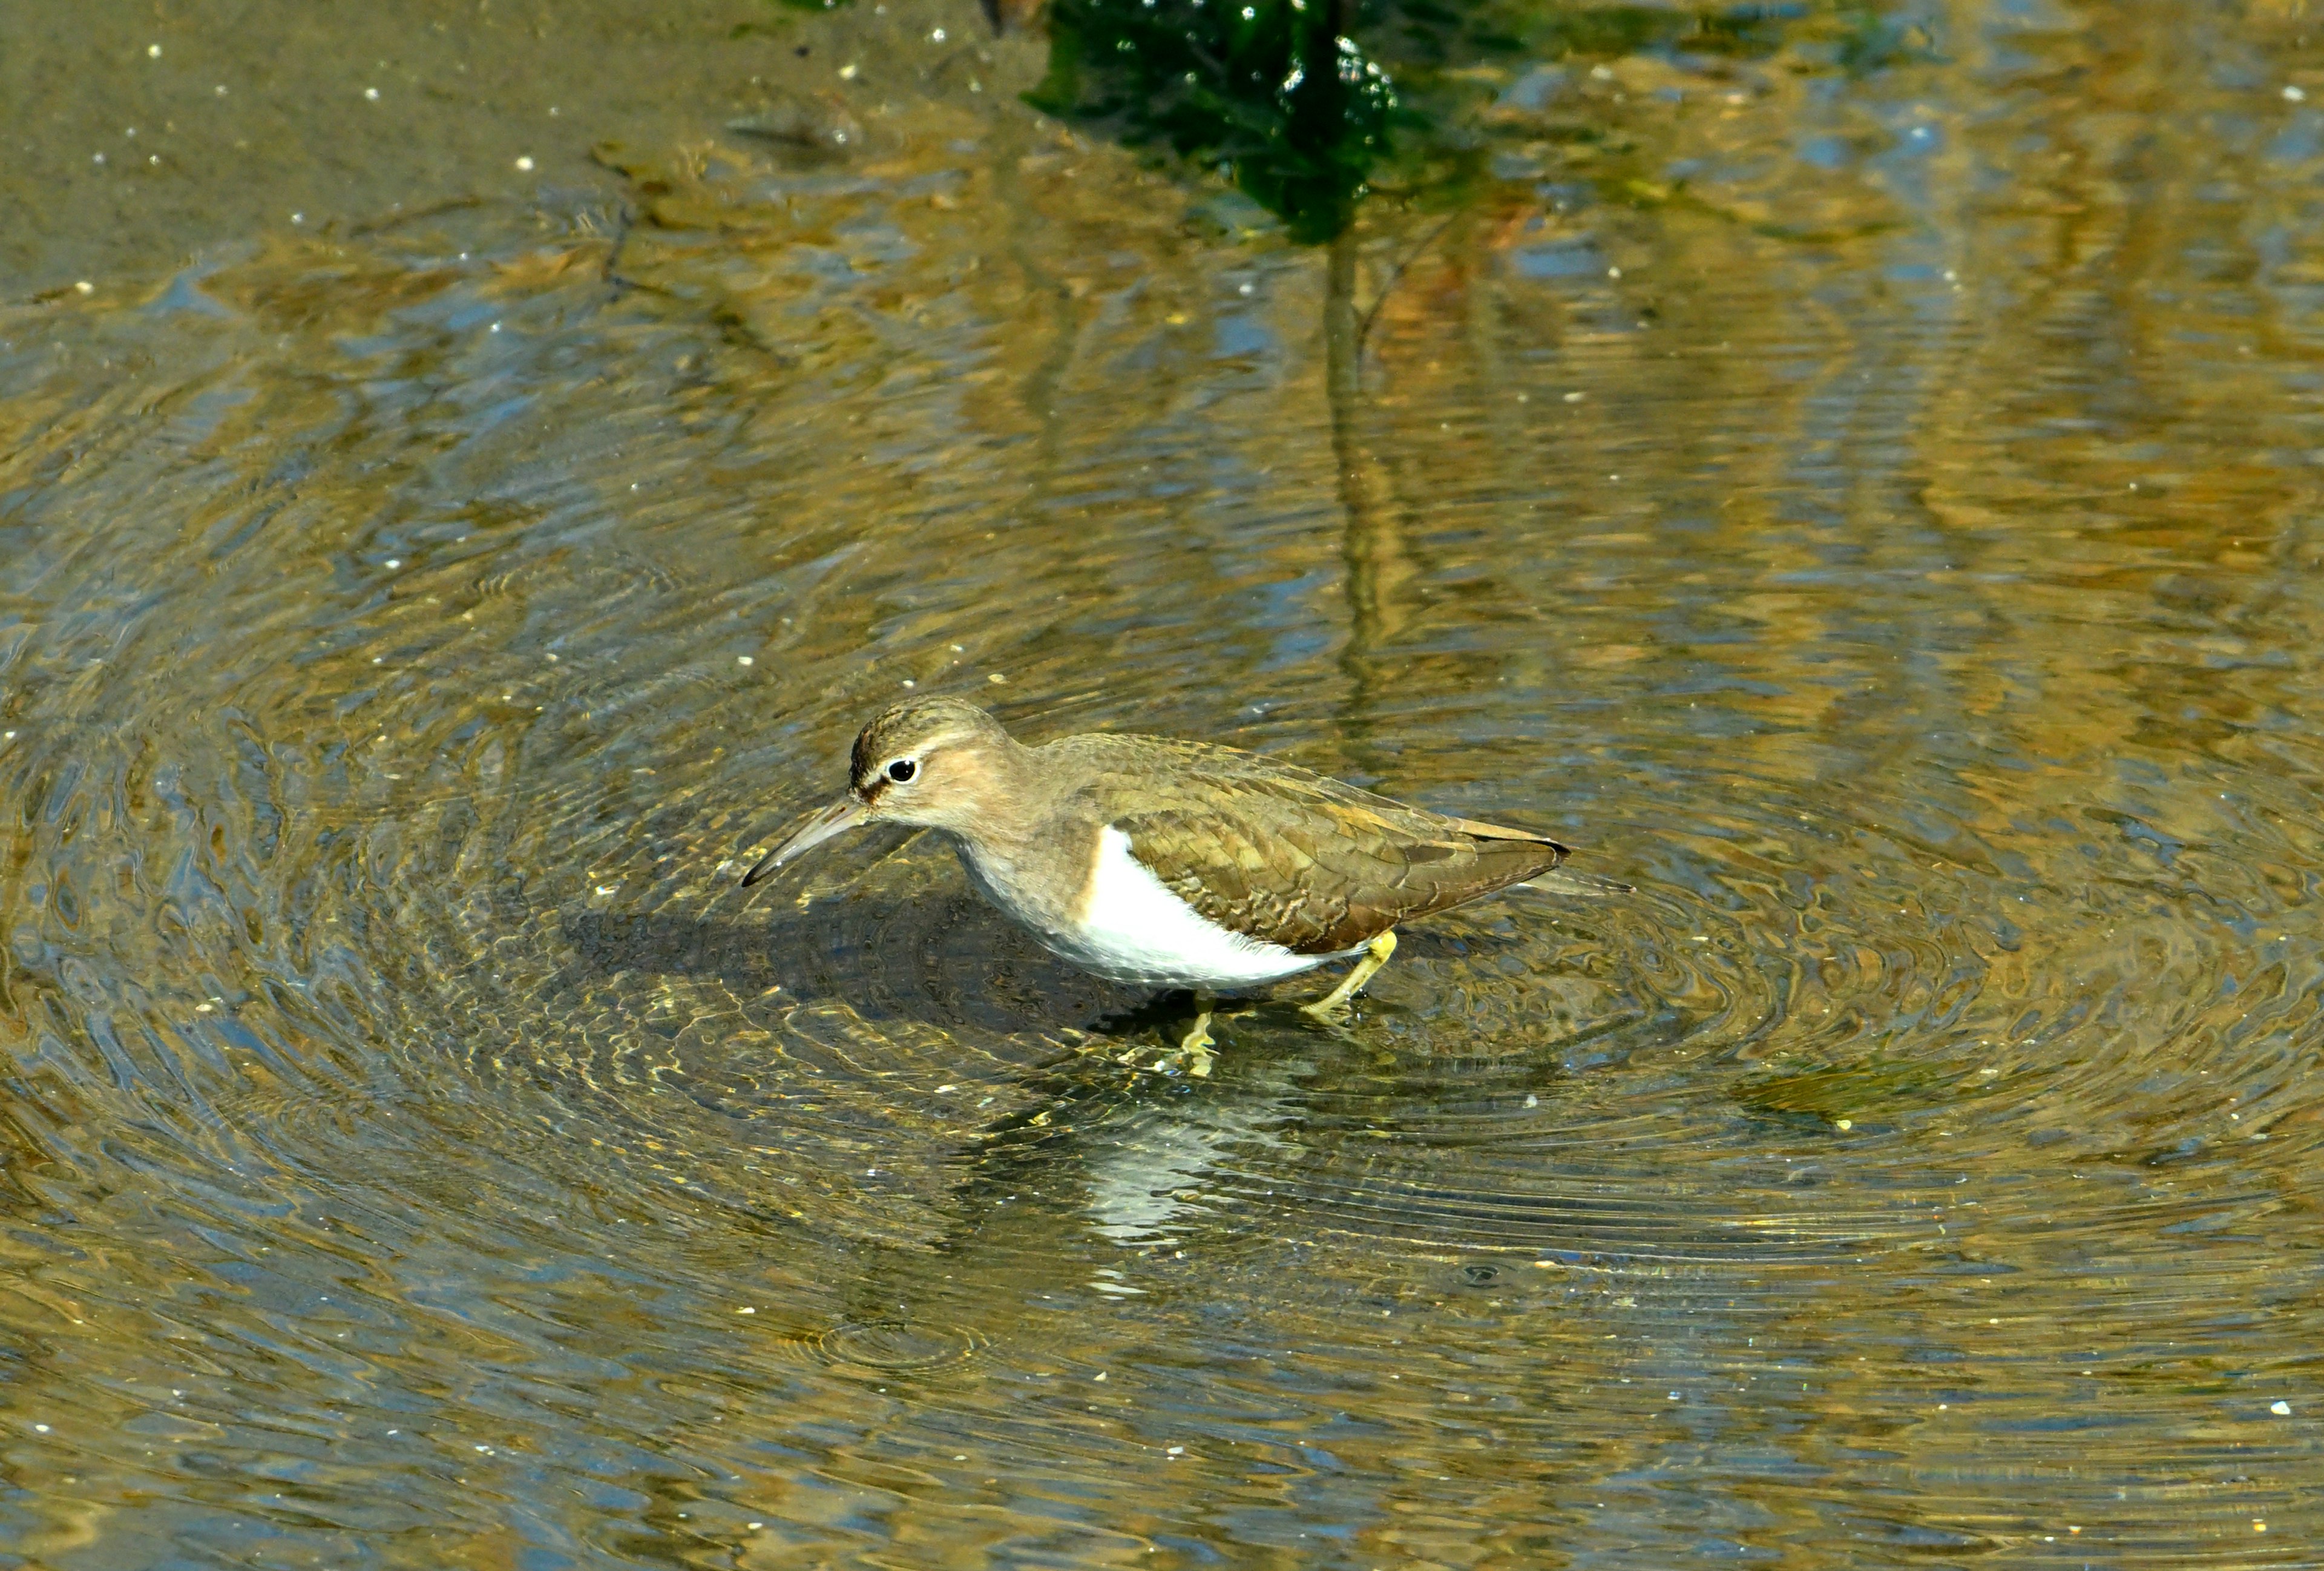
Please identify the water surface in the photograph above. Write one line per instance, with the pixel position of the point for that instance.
(1868, 504)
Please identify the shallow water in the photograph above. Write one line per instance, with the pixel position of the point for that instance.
(1873, 511)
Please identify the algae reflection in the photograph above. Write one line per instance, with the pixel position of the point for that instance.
(1277, 91)
(1309, 106)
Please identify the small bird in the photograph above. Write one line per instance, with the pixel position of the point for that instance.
(1170, 864)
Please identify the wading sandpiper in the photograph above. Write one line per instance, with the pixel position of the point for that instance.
(1167, 864)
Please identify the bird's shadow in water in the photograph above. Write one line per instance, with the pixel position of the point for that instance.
(943, 958)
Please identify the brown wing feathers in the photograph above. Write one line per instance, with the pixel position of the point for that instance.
(1278, 853)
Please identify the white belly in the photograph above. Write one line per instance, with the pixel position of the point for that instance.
(1129, 927)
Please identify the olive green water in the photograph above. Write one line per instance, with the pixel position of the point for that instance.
(1872, 508)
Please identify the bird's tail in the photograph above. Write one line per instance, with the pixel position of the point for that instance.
(1563, 880)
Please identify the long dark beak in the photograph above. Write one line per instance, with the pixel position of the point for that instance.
(835, 819)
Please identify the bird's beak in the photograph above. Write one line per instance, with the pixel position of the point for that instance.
(837, 818)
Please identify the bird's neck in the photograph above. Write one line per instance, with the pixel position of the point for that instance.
(1000, 819)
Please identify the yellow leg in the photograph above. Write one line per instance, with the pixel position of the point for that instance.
(1375, 955)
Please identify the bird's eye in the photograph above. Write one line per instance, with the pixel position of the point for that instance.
(902, 769)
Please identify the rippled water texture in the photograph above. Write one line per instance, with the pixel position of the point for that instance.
(1873, 511)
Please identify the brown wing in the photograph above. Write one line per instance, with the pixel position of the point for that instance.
(1275, 852)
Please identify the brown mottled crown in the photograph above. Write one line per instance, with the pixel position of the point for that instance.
(916, 726)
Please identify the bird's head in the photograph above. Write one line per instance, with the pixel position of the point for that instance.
(934, 763)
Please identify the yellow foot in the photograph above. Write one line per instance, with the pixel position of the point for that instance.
(1375, 955)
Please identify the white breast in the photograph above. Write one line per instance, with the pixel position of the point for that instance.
(1129, 927)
